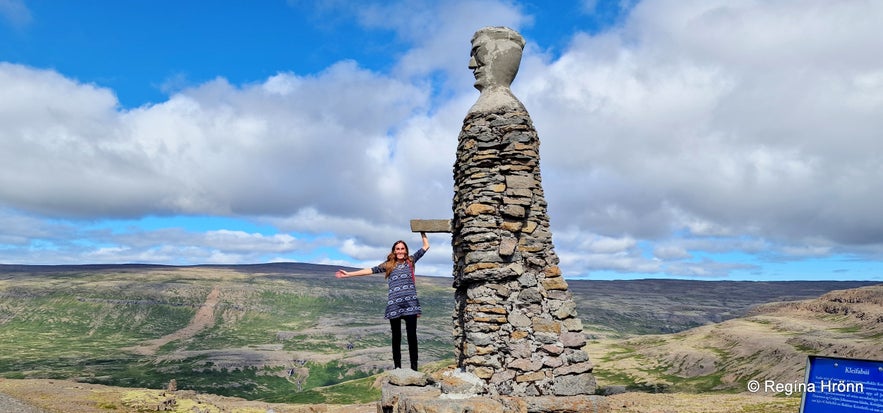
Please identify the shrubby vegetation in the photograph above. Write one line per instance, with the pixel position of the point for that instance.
(293, 333)
(282, 335)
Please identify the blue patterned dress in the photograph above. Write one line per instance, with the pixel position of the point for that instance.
(402, 299)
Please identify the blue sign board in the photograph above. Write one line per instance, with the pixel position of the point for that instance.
(840, 385)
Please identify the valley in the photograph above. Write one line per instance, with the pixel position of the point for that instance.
(292, 333)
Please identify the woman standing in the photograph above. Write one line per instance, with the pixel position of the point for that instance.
(402, 302)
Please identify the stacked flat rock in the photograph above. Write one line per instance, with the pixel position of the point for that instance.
(515, 322)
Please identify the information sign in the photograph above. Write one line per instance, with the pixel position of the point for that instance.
(841, 385)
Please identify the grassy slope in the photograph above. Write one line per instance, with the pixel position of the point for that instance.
(294, 333)
(274, 334)
(770, 343)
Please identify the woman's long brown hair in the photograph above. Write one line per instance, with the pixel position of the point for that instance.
(391, 258)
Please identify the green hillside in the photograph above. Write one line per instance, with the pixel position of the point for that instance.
(770, 343)
(282, 332)
(270, 333)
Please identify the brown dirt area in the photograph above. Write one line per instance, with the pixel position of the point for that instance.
(204, 318)
(62, 396)
(72, 397)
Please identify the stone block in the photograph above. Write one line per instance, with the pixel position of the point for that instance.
(527, 280)
(546, 326)
(390, 394)
(552, 271)
(567, 310)
(530, 295)
(526, 364)
(493, 309)
(519, 320)
(480, 339)
(430, 225)
(478, 209)
(516, 211)
(460, 382)
(502, 376)
(490, 319)
(408, 377)
(483, 372)
(516, 269)
(517, 200)
(484, 257)
(572, 324)
(552, 362)
(531, 247)
(521, 349)
(450, 405)
(573, 339)
(573, 385)
(568, 404)
(507, 246)
(529, 228)
(518, 335)
(560, 295)
(520, 182)
(546, 338)
(519, 193)
(584, 367)
(483, 361)
(480, 266)
(500, 289)
(553, 349)
(556, 283)
(512, 226)
(532, 376)
(485, 350)
(576, 356)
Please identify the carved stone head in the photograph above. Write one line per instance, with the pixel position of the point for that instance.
(495, 57)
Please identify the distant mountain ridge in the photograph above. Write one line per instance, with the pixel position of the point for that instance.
(276, 266)
(292, 332)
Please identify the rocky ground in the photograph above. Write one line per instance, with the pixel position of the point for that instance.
(51, 396)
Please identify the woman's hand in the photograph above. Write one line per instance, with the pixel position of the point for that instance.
(348, 274)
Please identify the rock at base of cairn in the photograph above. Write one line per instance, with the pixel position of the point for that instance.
(454, 392)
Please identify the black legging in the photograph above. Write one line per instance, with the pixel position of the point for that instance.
(411, 326)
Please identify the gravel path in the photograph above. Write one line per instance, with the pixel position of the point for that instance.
(10, 405)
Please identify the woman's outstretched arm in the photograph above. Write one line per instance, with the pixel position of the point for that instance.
(345, 274)
(425, 241)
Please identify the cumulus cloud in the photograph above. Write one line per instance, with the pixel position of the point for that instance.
(269, 148)
(750, 119)
(714, 126)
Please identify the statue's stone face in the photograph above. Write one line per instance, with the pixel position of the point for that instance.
(494, 62)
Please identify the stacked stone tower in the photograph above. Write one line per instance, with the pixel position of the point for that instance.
(518, 340)
(515, 322)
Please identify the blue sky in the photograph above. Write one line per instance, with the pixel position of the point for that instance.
(706, 139)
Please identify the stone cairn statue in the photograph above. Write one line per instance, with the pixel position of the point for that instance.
(515, 322)
(518, 341)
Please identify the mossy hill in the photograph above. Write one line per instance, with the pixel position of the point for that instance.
(289, 332)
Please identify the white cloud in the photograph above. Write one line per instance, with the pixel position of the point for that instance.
(748, 119)
(216, 148)
(712, 126)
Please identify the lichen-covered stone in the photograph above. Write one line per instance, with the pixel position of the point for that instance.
(504, 256)
(573, 385)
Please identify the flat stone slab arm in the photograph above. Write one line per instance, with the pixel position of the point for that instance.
(431, 225)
